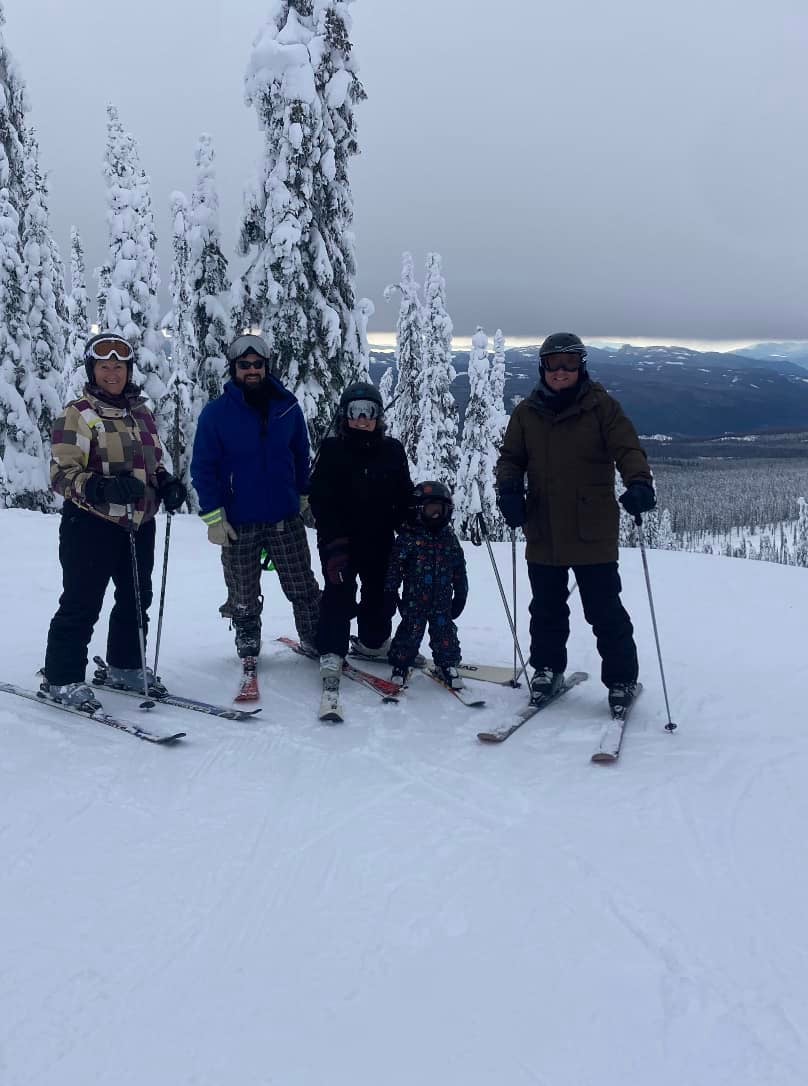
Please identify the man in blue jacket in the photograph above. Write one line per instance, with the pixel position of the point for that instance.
(250, 468)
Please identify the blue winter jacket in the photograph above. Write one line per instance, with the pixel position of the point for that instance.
(255, 468)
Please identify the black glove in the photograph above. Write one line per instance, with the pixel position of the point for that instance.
(113, 489)
(458, 604)
(638, 498)
(172, 492)
(390, 603)
(512, 503)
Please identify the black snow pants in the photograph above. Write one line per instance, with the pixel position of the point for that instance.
(599, 586)
(338, 604)
(93, 552)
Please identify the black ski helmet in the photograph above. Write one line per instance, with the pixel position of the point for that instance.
(562, 343)
(91, 356)
(360, 390)
(430, 493)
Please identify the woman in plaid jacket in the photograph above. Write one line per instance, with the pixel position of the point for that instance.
(107, 463)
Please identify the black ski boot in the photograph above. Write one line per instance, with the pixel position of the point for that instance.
(545, 684)
(449, 676)
(400, 676)
(621, 695)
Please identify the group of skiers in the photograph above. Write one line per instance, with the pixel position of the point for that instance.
(379, 537)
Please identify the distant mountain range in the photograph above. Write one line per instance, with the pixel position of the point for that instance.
(674, 390)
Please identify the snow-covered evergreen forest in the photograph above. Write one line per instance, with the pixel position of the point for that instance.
(293, 278)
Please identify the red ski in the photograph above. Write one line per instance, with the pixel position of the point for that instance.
(248, 690)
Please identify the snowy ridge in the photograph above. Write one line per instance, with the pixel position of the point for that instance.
(389, 901)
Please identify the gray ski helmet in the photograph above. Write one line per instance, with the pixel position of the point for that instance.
(360, 390)
(247, 344)
(105, 345)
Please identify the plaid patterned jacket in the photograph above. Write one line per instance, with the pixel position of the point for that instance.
(95, 438)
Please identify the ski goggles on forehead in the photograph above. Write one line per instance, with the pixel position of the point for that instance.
(358, 409)
(244, 345)
(113, 347)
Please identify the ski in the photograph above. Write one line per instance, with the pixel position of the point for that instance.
(498, 735)
(487, 673)
(176, 700)
(469, 702)
(612, 738)
(330, 708)
(387, 691)
(98, 715)
(248, 687)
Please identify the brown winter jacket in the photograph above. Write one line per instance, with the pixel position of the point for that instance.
(572, 514)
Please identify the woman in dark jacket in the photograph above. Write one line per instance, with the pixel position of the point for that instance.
(360, 492)
(107, 463)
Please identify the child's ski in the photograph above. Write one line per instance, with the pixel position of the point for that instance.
(469, 702)
(248, 686)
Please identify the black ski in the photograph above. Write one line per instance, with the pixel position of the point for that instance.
(470, 703)
(165, 698)
(498, 735)
(612, 738)
(98, 715)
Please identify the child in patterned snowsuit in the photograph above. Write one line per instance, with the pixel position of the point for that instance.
(428, 559)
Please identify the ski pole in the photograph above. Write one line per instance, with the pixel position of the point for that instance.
(513, 570)
(483, 529)
(670, 726)
(162, 593)
(130, 516)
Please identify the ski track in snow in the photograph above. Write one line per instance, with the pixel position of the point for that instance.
(390, 901)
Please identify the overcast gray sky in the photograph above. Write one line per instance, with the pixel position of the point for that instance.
(631, 168)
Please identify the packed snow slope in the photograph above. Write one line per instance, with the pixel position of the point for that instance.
(389, 902)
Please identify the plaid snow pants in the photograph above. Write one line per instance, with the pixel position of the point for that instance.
(288, 547)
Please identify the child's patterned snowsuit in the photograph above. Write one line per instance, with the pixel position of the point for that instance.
(433, 568)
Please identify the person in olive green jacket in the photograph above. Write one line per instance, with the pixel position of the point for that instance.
(567, 437)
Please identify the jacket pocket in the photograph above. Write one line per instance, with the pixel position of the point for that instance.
(598, 514)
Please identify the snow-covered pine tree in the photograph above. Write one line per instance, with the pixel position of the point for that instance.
(78, 316)
(186, 397)
(386, 391)
(800, 553)
(24, 478)
(128, 280)
(499, 421)
(296, 228)
(437, 452)
(477, 452)
(409, 359)
(42, 282)
(208, 277)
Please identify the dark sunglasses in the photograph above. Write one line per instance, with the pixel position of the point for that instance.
(251, 364)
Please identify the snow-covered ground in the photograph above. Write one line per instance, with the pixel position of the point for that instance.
(389, 902)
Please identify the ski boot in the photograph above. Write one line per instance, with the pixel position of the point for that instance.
(545, 684)
(131, 678)
(248, 689)
(621, 696)
(74, 695)
(449, 676)
(371, 654)
(400, 676)
(330, 673)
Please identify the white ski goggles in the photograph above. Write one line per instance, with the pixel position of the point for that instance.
(110, 347)
(358, 409)
(248, 344)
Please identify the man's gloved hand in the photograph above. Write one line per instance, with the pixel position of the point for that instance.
(113, 489)
(336, 559)
(306, 514)
(512, 503)
(390, 603)
(220, 532)
(458, 604)
(172, 492)
(638, 498)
